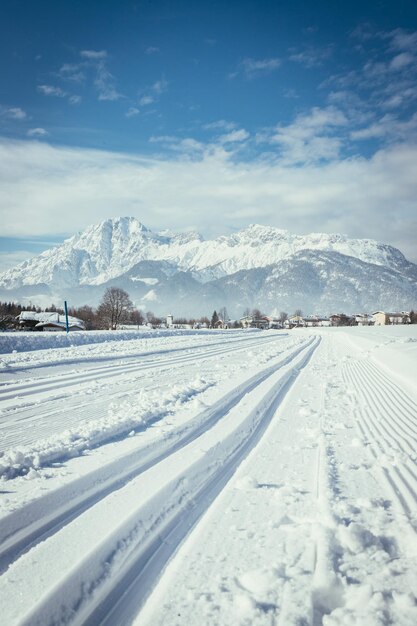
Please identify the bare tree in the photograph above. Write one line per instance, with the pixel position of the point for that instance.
(87, 315)
(152, 319)
(114, 308)
(283, 316)
(223, 314)
(298, 313)
(136, 317)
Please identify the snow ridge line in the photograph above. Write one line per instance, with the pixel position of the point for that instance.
(30, 341)
(65, 380)
(40, 519)
(378, 423)
(131, 551)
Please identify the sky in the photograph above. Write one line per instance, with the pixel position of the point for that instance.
(207, 116)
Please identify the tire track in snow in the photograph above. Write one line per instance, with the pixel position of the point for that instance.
(42, 518)
(124, 554)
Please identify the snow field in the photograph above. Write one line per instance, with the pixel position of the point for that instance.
(117, 413)
(309, 530)
(245, 479)
(179, 479)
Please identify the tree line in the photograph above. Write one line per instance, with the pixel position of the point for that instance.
(116, 308)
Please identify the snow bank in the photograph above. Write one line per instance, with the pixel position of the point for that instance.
(28, 341)
(394, 348)
(122, 419)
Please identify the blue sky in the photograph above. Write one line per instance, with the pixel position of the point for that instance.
(208, 116)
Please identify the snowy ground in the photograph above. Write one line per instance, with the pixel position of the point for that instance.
(219, 478)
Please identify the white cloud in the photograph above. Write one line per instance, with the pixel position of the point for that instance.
(311, 57)
(253, 67)
(132, 112)
(402, 39)
(401, 60)
(152, 50)
(160, 86)
(234, 136)
(13, 113)
(8, 260)
(72, 72)
(372, 197)
(37, 132)
(50, 90)
(104, 83)
(388, 126)
(310, 137)
(220, 124)
(145, 100)
(94, 55)
(152, 93)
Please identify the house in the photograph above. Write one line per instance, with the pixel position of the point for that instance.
(316, 320)
(254, 322)
(341, 319)
(47, 321)
(274, 322)
(363, 319)
(223, 324)
(295, 320)
(246, 321)
(381, 318)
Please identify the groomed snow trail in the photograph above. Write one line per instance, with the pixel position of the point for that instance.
(318, 524)
(20, 529)
(247, 479)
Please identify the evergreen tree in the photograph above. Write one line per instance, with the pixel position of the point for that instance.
(214, 319)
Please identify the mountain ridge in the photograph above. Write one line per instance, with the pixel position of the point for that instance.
(185, 266)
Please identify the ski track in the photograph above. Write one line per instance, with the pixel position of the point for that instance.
(77, 392)
(198, 470)
(87, 491)
(16, 391)
(287, 498)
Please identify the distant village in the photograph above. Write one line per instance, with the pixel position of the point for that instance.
(116, 312)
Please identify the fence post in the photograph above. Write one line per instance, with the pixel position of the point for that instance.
(66, 316)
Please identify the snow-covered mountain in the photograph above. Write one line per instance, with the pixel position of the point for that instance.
(258, 266)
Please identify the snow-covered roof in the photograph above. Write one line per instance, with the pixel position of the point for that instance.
(49, 317)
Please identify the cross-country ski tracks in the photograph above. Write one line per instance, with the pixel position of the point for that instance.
(127, 537)
(38, 417)
(251, 558)
(13, 395)
(387, 418)
(119, 355)
(45, 516)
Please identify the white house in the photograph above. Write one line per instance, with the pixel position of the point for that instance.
(363, 319)
(381, 318)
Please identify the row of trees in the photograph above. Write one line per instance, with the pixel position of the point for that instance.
(116, 308)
